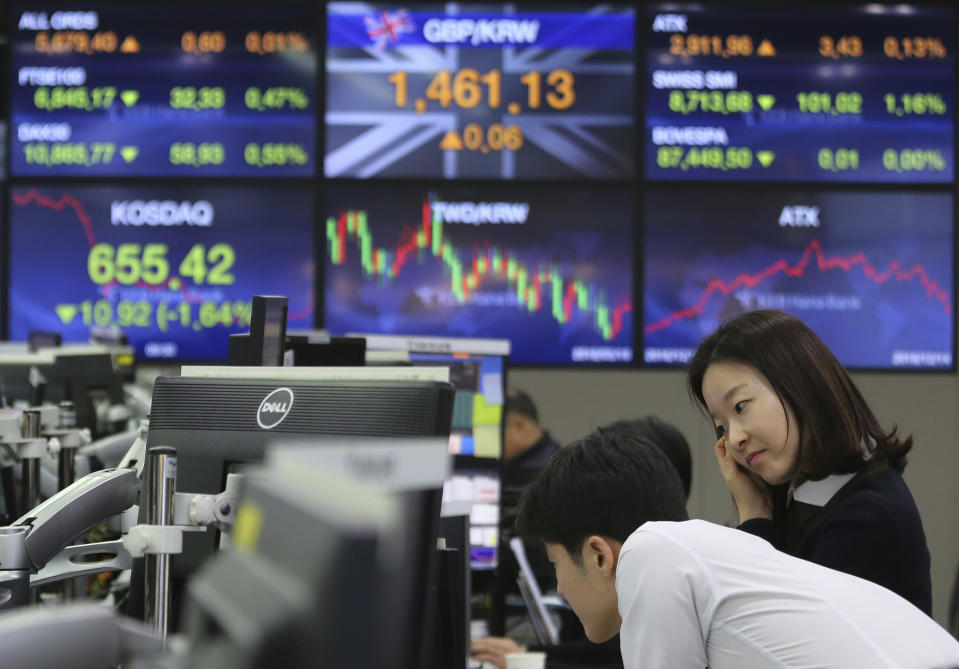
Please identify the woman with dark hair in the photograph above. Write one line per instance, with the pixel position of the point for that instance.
(809, 467)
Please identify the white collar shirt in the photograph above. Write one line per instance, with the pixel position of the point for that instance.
(695, 594)
(818, 493)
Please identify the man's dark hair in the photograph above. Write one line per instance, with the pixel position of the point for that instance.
(836, 425)
(669, 440)
(607, 484)
(521, 403)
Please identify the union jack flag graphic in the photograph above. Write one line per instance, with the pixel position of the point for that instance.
(387, 27)
(368, 135)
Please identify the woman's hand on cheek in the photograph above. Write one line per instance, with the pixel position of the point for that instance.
(751, 494)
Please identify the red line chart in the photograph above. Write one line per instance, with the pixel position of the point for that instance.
(823, 263)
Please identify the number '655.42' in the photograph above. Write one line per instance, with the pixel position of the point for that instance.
(131, 264)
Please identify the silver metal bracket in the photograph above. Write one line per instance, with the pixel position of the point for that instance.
(68, 564)
(198, 509)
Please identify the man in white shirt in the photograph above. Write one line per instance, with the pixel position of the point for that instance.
(693, 594)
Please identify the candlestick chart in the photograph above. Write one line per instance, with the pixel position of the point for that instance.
(550, 273)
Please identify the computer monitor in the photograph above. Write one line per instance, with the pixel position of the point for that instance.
(478, 372)
(450, 647)
(92, 383)
(481, 489)
(316, 348)
(85, 375)
(453, 586)
(268, 328)
(37, 339)
(221, 418)
(108, 336)
(28, 379)
(263, 345)
(411, 620)
(116, 342)
(308, 587)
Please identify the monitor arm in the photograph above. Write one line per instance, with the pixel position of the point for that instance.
(38, 542)
(192, 512)
(40, 535)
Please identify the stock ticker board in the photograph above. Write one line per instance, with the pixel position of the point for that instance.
(174, 267)
(871, 272)
(479, 90)
(551, 271)
(135, 91)
(839, 94)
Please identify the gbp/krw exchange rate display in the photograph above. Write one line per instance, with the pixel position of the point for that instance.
(479, 90)
(871, 273)
(801, 94)
(551, 271)
(141, 91)
(174, 267)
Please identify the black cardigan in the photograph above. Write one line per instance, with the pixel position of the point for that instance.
(870, 529)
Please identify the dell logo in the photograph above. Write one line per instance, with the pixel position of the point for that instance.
(274, 408)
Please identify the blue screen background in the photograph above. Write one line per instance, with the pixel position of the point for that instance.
(883, 296)
(53, 229)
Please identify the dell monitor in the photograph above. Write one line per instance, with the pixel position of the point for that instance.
(219, 419)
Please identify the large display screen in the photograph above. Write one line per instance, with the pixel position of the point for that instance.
(137, 90)
(871, 272)
(548, 269)
(174, 267)
(479, 90)
(788, 93)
